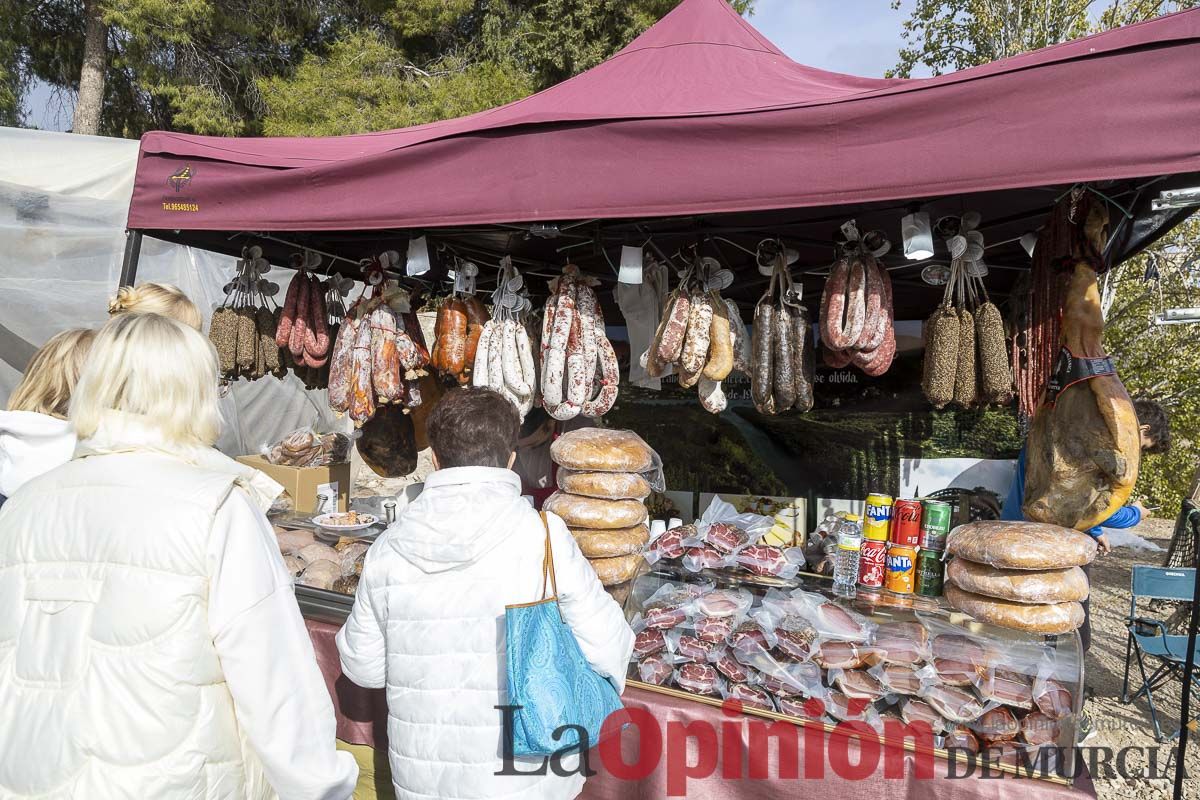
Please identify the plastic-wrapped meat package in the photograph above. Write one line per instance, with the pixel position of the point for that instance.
(832, 621)
(682, 644)
(903, 679)
(960, 660)
(703, 557)
(649, 641)
(669, 544)
(725, 537)
(670, 604)
(844, 655)
(799, 706)
(724, 602)
(750, 696)
(728, 666)
(856, 684)
(713, 629)
(997, 725)
(767, 561)
(1040, 729)
(917, 711)
(655, 670)
(1052, 698)
(902, 642)
(664, 617)
(961, 737)
(796, 638)
(748, 639)
(953, 703)
(1007, 688)
(698, 678)
(790, 678)
(848, 709)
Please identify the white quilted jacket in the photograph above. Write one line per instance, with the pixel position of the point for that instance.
(428, 623)
(150, 642)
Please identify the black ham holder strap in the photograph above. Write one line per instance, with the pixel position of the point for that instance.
(1071, 369)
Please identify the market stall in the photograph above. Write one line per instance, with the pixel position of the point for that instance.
(767, 215)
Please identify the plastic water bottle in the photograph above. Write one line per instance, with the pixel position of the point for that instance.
(845, 562)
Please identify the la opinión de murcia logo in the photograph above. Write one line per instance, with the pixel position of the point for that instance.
(181, 178)
(634, 745)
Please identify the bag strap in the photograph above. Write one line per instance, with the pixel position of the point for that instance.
(548, 562)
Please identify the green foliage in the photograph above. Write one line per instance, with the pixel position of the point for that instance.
(947, 35)
(312, 67)
(1161, 362)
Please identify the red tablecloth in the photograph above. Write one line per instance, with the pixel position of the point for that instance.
(361, 716)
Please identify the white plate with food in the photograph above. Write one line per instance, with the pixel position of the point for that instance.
(345, 521)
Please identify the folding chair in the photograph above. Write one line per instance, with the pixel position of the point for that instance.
(1148, 637)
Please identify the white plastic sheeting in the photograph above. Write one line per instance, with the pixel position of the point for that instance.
(63, 205)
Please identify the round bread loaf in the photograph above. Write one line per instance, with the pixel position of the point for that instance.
(610, 543)
(608, 485)
(612, 571)
(1019, 585)
(1021, 545)
(590, 512)
(602, 450)
(1040, 618)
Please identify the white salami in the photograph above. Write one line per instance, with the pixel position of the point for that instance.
(609, 375)
(587, 308)
(695, 344)
(554, 361)
(712, 397)
(514, 377)
(480, 373)
(525, 356)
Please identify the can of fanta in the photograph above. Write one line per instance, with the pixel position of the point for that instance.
(901, 569)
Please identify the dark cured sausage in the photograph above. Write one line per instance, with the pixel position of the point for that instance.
(316, 337)
(783, 381)
(761, 353)
(283, 333)
(802, 358)
(835, 359)
(876, 316)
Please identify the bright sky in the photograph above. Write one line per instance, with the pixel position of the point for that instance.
(861, 37)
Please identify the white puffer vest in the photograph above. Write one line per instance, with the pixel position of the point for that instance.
(109, 680)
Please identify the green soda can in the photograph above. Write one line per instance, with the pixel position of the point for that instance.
(935, 525)
(931, 573)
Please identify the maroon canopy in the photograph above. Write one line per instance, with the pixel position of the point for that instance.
(701, 114)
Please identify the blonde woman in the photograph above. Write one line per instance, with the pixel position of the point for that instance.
(34, 433)
(153, 646)
(156, 298)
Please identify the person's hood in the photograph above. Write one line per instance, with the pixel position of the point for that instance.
(462, 514)
(31, 444)
(121, 432)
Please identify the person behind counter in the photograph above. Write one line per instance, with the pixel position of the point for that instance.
(427, 621)
(34, 433)
(156, 298)
(157, 649)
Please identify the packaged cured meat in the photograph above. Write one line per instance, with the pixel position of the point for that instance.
(834, 654)
(996, 725)
(729, 666)
(590, 512)
(960, 737)
(763, 559)
(725, 537)
(1053, 698)
(714, 630)
(669, 606)
(605, 485)
(317, 552)
(1021, 545)
(1040, 729)
(957, 672)
(856, 683)
(902, 642)
(787, 677)
(749, 696)
(599, 543)
(320, 574)
(1007, 688)
(649, 641)
(903, 679)
(724, 602)
(954, 703)
(669, 544)
(800, 706)
(604, 450)
(655, 670)
(795, 636)
(292, 541)
(1052, 618)
(852, 709)
(918, 712)
(832, 621)
(696, 558)
(617, 569)
(749, 639)
(698, 678)
(1019, 586)
(685, 644)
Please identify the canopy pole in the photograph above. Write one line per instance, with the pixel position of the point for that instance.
(133, 252)
(1193, 521)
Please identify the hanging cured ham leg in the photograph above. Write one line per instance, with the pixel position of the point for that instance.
(1083, 451)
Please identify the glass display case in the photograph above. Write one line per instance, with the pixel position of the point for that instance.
(791, 649)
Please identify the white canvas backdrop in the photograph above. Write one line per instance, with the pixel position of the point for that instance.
(63, 205)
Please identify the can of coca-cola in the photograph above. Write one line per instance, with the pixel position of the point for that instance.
(906, 523)
(872, 563)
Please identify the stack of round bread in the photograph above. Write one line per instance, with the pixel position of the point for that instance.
(599, 497)
(1023, 575)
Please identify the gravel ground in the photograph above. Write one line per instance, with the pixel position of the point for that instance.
(1118, 725)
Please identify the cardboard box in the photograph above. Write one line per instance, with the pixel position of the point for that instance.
(303, 483)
